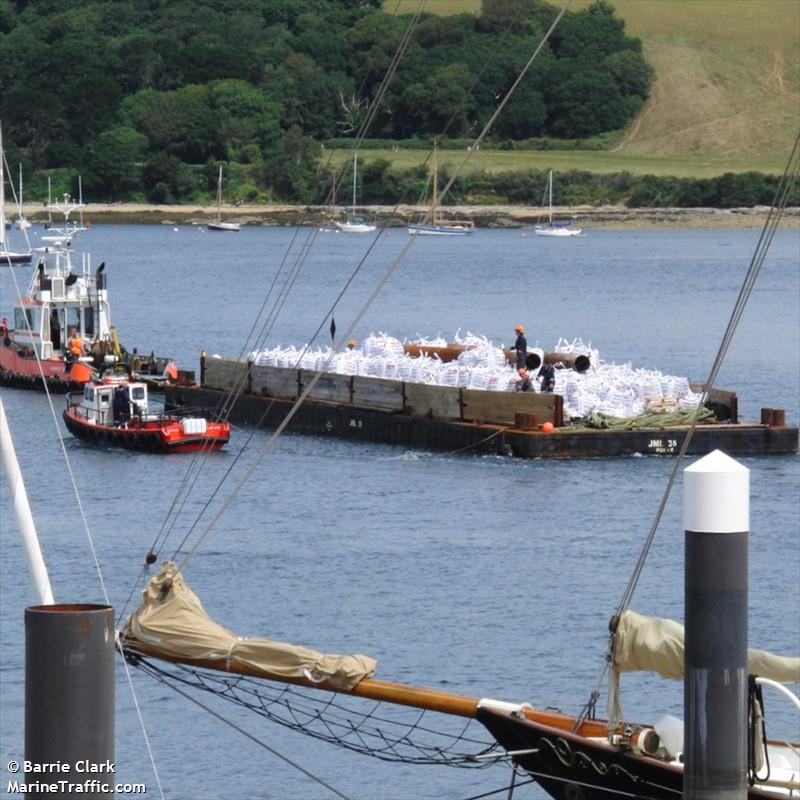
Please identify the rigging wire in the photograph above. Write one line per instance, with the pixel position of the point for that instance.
(249, 735)
(305, 249)
(782, 194)
(86, 528)
(360, 315)
(236, 389)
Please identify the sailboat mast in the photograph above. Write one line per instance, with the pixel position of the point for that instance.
(16, 487)
(219, 195)
(435, 188)
(355, 173)
(550, 190)
(2, 194)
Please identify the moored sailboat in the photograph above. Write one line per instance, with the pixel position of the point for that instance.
(9, 257)
(219, 224)
(353, 223)
(433, 224)
(560, 228)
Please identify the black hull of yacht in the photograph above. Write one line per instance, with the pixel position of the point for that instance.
(572, 767)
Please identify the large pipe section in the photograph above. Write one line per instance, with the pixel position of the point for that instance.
(451, 352)
(716, 515)
(69, 697)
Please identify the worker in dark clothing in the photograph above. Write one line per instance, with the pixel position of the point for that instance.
(521, 346)
(524, 384)
(547, 375)
(122, 405)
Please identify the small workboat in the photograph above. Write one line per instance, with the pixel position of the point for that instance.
(115, 411)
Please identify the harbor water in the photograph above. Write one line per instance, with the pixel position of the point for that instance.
(481, 575)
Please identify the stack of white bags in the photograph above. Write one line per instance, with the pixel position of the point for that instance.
(617, 390)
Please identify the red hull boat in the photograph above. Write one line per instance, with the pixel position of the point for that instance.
(115, 413)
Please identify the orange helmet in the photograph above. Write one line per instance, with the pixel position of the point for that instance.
(520, 329)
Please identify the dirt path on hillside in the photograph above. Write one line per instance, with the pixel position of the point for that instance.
(775, 77)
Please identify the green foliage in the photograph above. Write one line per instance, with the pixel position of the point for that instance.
(112, 162)
(181, 83)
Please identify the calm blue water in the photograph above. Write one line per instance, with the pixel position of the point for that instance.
(481, 575)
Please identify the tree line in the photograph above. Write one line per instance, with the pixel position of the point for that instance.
(144, 97)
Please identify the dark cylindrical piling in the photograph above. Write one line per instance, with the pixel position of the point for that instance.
(69, 697)
(716, 520)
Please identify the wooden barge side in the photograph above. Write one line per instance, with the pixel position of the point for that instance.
(451, 419)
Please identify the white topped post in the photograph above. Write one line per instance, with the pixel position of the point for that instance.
(716, 516)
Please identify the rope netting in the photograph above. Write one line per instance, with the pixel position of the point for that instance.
(382, 730)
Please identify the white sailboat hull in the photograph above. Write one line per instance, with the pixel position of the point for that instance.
(439, 230)
(355, 227)
(560, 232)
(224, 226)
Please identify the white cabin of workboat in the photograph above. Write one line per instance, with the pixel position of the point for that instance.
(113, 401)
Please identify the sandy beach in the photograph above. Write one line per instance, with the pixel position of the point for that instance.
(612, 217)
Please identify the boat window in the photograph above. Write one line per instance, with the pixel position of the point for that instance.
(73, 319)
(55, 329)
(88, 393)
(137, 393)
(19, 319)
(105, 396)
(88, 321)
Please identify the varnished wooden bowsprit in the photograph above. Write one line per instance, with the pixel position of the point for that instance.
(380, 690)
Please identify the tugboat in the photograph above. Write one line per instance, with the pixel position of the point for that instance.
(62, 330)
(115, 411)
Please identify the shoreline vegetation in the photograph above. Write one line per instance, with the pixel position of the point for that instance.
(485, 216)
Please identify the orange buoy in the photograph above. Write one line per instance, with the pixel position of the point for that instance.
(548, 427)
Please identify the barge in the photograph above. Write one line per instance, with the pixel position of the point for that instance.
(452, 419)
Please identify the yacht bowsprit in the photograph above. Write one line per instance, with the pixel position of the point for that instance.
(116, 411)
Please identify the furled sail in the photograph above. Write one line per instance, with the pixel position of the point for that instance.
(656, 645)
(172, 623)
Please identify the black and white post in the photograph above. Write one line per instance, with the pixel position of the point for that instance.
(717, 522)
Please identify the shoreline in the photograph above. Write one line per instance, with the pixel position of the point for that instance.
(608, 217)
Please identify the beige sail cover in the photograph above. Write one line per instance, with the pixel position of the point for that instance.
(654, 644)
(171, 621)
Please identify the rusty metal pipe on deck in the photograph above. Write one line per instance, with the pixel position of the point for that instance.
(451, 352)
(576, 361)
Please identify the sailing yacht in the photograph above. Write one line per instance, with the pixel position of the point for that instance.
(353, 224)
(21, 224)
(555, 227)
(432, 224)
(218, 224)
(7, 256)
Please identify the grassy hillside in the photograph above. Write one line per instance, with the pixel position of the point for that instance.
(642, 162)
(727, 84)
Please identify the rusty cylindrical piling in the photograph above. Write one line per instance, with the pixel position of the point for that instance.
(69, 694)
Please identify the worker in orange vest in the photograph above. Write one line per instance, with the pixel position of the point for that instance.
(75, 344)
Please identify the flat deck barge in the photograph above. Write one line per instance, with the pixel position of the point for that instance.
(451, 419)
